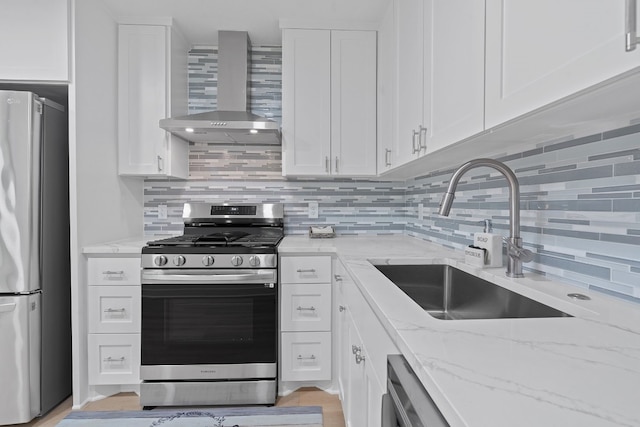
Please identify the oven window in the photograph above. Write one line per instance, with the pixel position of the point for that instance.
(208, 324)
(225, 322)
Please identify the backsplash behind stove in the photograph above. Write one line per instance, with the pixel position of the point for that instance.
(580, 197)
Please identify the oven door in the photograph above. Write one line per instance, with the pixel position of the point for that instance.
(208, 324)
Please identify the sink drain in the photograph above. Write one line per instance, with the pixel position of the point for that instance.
(579, 296)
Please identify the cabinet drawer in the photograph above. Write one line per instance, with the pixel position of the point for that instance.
(114, 309)
(306, 307)
(306, 356)
(113, 271)
(114, 359)
(306, 269)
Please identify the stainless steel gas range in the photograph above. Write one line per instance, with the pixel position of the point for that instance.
(209, 308)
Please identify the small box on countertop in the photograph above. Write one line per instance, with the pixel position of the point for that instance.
(475, 256)
(318, 232)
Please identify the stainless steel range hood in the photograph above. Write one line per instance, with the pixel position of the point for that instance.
(232, 122)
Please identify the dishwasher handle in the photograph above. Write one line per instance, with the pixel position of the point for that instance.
(412, 405)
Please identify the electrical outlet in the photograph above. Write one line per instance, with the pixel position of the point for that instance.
(313, 209)
(162, 211)
(420, 211)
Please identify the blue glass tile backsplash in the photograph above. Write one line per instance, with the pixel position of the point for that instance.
(580, 207)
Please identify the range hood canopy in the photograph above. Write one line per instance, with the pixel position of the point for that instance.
(232, 122)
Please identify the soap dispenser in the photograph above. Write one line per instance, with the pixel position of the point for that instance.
(492, 243)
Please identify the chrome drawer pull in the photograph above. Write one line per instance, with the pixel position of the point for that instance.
(312, 357)
(114, 273)
(312, 308)
(115, 310)
(112, 360)
(309, 270)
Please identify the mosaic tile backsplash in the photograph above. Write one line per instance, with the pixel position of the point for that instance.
(580, 198)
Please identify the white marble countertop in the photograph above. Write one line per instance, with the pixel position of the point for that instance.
(578, 371)
(129, 246)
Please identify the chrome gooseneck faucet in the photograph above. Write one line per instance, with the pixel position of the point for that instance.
(517, 254)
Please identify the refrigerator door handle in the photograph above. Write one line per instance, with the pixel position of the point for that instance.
(6, 308)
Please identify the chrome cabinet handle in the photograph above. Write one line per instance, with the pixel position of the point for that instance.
(326, 164)
(422, 145)
(413, 142)
(337, 164)
(312, 357)
(160, 164)
(113, 275)
(309, 270)
(630, 37)
(115, 310)
(387, 157)
(312, 308)
(112, 360)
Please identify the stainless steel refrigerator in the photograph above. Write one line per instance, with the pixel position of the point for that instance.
(35, 290)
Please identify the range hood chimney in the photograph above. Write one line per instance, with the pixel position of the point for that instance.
(232, 122)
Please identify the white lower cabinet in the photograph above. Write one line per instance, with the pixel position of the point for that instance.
(114, 359)
(114, 306)
(363, 346)
(305, 318)
(306, 356)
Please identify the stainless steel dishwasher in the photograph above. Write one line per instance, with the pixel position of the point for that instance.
(407, 403)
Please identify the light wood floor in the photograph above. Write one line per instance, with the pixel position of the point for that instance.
(331, 408)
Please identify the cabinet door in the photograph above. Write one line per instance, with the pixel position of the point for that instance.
(411, 89)
(455, 31)
(145, 92)
(114, 309)
(353, 103)
(34, 40)
(114, 359)
(306, 307)
(305, 269)
(387, 101)
(306, 356)
(539, 52)
(355, 397)
(306, 102)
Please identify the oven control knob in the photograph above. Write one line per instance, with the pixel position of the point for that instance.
(160, 260)
(254, 261)
(236, 260)
(179, 260)
(207, 260)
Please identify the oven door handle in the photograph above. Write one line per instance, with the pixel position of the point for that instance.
(207, 277)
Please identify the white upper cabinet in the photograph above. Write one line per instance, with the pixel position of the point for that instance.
(328, 102)
(152, 85)
(387, 97)
(413, 71)
(440, 74)
(353, 103)
(455, 36)
(539, 52)
(35, 40)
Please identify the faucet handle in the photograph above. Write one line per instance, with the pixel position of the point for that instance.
(524, 255)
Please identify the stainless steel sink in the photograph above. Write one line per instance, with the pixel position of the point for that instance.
(450, 294)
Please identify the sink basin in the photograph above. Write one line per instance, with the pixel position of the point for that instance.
(448, 293)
